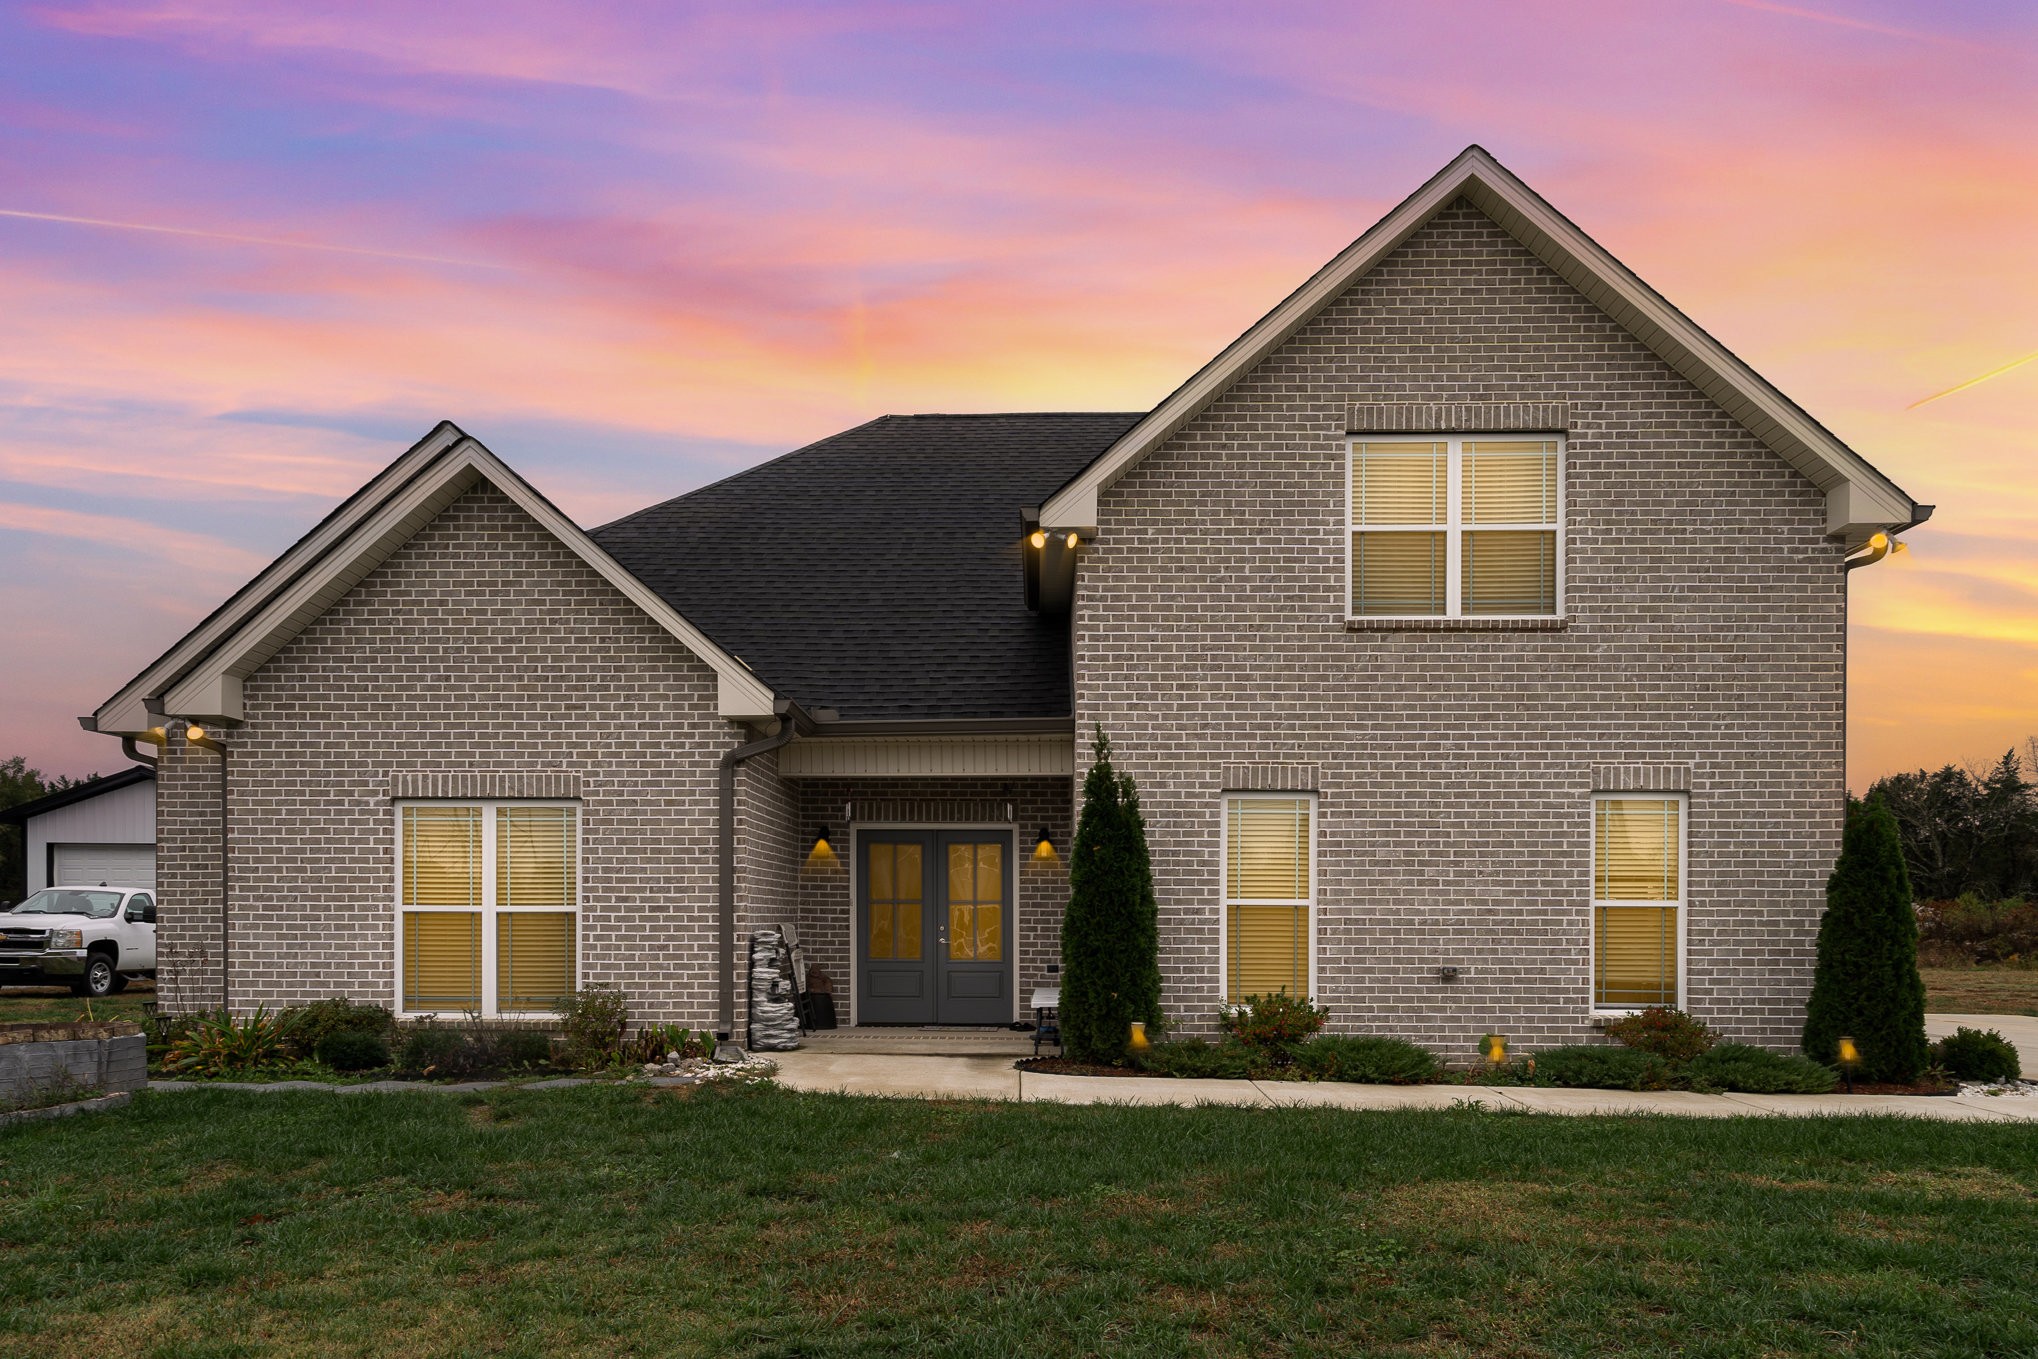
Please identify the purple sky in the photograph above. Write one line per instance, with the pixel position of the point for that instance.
(634, 248)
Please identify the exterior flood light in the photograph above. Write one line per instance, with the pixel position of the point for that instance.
(195, 732)
(1072, 541)
(1038, 539)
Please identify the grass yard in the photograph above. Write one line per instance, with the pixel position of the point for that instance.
(1981, 990)
(611, 1220)
(56, 1004)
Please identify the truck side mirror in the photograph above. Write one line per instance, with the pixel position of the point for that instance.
(137, 914)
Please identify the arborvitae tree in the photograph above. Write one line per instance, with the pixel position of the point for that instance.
(1867, 985)
(1110, 934)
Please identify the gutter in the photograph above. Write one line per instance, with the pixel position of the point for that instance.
(792, 721)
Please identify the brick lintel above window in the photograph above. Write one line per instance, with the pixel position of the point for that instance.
(1466, 417)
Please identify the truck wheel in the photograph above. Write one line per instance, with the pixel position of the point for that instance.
(98, 978)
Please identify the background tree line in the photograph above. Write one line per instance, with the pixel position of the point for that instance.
(1969, 830)
(19, 784)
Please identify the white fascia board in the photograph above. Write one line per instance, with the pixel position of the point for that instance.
(211, 687)
(126, 713)
(1585, 264)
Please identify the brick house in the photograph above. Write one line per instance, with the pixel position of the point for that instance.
(1474, 626)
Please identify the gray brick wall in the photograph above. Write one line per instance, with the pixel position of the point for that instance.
(1704, 632)
(481, 658)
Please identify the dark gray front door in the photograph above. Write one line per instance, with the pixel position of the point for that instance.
(934, 927)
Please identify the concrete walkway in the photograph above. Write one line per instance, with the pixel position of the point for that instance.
(995, 1078)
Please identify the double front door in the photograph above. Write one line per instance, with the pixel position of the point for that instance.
(934, 927)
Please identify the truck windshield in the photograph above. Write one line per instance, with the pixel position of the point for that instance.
(70, 901)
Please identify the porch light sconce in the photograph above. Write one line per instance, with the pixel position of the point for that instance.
(822, 849)
(1043, 850)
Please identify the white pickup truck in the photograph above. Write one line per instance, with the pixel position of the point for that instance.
(91, 939)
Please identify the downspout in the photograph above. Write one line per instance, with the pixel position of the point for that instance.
(792, 721)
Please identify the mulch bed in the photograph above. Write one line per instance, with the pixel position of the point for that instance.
(1068, 1066)
(1893, 1088)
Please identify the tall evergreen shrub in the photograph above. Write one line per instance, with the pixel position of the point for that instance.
(1867, 985)
(1110, 934)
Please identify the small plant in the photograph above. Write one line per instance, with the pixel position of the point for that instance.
(222, 1043)
(1671, 1034)
(1194, 1058)
(352, 1050)
(1276, 1023)
(1595, 1066)
(1366, 1060)
(521, 1049)
(428, 1048)
(1757, 1071)
(656, 1040)
(1977, 1055)
(595, 1018)
(310, 1024)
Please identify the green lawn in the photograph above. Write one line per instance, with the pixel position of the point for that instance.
(612, 1220)
(1981, 990)
(51, 1004)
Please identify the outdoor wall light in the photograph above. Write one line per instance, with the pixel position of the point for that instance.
(1072, 541)
(822, 849)
(1038, 539)
(1044, 846)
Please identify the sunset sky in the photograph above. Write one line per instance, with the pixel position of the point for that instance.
(250, 251)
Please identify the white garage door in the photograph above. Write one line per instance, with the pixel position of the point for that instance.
(114, 865)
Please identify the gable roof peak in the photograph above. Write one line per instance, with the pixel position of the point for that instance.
(1859, 499)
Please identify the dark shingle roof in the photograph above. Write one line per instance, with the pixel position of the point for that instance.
(878, 572)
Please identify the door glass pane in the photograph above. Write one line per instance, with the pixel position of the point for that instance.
(894, 900)
(442, 960)
(441, 856)
(533, 960)
(990, 902)
(962, 878)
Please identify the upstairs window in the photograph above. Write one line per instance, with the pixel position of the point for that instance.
(1456, 528)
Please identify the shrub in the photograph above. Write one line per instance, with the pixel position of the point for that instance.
(1368, 1061)
(1757, 1071)
(656, 1040)
(428, 1048)
(595, 1018)
(1193, 1058)
(1671, 1034)
(310, 1024)
(1977, 1055)
(220, 1044)
(352, 1050)
(1595, 1066)
(1277, 1022)
(520, 1049)
(1867, 983)
(1110, 933)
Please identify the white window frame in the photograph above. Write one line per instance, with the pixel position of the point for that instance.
(1680, 905)
(1453, 528)
(1225, 901)
(488, 910)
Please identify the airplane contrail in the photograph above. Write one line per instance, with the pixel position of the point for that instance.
(246, 240)
(1975, 381)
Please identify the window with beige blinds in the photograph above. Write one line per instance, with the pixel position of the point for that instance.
(1637, 898)
(1460, 527)
(1269, 855)
(487, 897)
